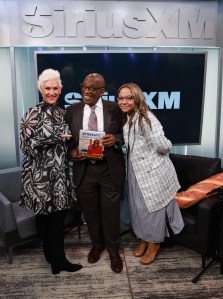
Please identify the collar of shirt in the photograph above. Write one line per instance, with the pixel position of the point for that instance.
(99, 113)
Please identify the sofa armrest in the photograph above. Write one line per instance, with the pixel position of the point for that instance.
(7, 219)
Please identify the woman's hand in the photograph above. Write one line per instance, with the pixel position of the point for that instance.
(66, 135)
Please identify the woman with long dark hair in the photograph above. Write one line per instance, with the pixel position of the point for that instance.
(152, 180)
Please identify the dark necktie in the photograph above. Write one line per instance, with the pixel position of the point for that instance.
(93, 123)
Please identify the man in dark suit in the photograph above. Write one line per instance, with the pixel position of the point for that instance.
(99, 185)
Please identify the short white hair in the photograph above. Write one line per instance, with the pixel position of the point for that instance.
(49, 74)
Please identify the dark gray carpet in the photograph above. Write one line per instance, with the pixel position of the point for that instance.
(168, 277)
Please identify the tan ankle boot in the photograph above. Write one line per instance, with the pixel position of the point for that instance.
(150, 254)
(141, 248)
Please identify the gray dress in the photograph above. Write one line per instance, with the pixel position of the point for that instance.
(148, 226)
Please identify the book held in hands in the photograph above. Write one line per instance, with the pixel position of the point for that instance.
(90, 144)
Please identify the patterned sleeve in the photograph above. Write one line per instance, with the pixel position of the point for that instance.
(28, 131)
(157, 136)
(35, 133)
(53, 127)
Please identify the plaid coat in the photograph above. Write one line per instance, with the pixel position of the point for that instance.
(154, 171)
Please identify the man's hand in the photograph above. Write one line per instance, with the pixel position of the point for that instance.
(109, 140)
(76, 155)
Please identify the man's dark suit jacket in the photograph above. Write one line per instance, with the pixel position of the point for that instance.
(112, 125)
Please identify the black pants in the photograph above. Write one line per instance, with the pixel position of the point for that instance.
(99, 198)
(50, 228)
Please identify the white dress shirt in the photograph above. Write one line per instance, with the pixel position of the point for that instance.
(99, 113)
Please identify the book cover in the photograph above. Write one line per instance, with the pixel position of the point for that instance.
(90, 144)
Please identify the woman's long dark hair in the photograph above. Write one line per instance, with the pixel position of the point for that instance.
(140, 102)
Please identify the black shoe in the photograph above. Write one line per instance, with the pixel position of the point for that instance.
(47, 255)
(66, 266)
(116, 262)
(48, 259)
(94, 254)
(46, 251)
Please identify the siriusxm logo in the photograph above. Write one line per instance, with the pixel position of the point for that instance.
(163, 100)
(154, 99)
(71, 21)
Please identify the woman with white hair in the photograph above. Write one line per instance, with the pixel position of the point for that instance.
(46, 185)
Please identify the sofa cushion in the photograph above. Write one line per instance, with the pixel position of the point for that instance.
(197, 192)
(25, 221)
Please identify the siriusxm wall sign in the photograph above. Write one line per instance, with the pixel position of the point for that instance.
(172, 83)
(115, 22)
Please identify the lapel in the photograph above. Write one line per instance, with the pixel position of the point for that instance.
(77, 120)
(79, 116)
(107, 113)
(132, 132)
(126, 132)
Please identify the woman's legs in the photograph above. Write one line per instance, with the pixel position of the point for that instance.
(42, 227)
(141, 248)
(150, 254)
(56, 237)
(51, 230)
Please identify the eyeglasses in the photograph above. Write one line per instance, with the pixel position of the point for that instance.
(90, 89)
(128, 99)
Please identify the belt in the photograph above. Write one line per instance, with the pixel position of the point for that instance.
(97, 161)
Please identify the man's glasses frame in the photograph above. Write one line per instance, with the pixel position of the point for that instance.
(91, 88)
